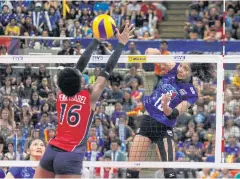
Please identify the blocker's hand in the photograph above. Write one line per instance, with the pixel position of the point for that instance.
(125, 35)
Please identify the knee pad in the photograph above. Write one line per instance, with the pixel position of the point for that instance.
(169, 173)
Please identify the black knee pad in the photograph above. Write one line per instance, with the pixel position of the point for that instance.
(132, 174)
(169, 173)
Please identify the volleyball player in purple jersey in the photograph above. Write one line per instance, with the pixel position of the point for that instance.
(174, 95)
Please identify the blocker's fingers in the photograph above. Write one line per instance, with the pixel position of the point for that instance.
(132, 30)
(126, 27)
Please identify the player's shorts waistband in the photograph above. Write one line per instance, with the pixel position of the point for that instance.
(57, 149)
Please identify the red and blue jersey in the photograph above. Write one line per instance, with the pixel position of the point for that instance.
(178, 91)
(74, 120)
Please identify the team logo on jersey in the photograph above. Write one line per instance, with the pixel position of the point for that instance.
(174, 94)
(182, 92)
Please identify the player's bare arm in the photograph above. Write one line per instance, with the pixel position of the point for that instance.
(173, 113)
(155, 51)
(101, 81)
(86, 56)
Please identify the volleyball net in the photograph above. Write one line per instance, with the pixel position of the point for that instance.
(206, 136)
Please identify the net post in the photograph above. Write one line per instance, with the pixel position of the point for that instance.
(219, 112)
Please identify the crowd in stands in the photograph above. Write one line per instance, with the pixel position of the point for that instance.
(232, 20)
(48, 18)
(232, 116)
(205, 21)
(28, 99)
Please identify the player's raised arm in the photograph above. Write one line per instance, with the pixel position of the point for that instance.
(85, 57)
(101, 81)
(155, 51)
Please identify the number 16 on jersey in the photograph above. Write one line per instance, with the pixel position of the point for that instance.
(71, 114)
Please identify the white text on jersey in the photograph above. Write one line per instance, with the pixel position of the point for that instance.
(77, 98)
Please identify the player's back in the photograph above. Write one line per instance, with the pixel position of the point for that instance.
(74, 120)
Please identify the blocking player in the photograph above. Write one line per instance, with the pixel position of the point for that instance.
(64, 155)
(172, 97)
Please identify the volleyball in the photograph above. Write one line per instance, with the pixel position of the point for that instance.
(103, 26)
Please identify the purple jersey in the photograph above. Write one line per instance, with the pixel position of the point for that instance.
(22, 172)
(179, 92)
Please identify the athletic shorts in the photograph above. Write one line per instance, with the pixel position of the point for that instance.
(158, 133)
(153, 129)
(62, 162)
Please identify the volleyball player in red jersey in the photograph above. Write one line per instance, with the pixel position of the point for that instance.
(64, 155)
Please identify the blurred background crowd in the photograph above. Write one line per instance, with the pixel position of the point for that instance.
(28, 98)
(197, 20)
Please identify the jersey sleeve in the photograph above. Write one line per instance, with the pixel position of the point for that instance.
(191, 95)
(15, 171)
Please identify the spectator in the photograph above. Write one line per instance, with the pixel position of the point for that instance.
(43, 88)
(28, 27)
(93, 138)
(10, 154)
(236, 78)
(132, 49)
(25, 111)
(136, 93)
(10, 74)
(12, 29)
(26, 127)
(128, 103)
(93, 154)
(35, 103)
(118, 112)
(124, 133)
(3, 50)
(51, 101)
(5, 15)
(6, 123)
(115, 153)
(78, 48)
(133, 6)
(7, 88)
(115, 93)
(231, 129)
(43, 124)
(93, 78)
(67, 49)
(132, 74)
(25, 89)
(192, 155)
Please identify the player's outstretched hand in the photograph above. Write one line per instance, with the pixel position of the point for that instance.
(125, 35)
(152, 51)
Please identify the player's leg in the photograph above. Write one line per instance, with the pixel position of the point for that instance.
(138, 152)
(139, 148)
(68, 165)
(167, 151)
(45, 168)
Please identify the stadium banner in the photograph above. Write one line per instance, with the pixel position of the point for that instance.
(174, 46)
